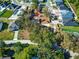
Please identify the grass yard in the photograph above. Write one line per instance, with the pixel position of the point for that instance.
(6, 20)
(7, 14)
(71, 28)
(6, 35)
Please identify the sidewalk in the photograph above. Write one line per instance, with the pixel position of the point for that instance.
(16, 35)
(21, 41)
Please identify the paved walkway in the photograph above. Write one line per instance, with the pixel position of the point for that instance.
(16, 35)
(21, 41)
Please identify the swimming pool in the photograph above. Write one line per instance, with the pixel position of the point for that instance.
(66, 13)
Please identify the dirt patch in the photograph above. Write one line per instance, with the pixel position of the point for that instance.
(24, 34)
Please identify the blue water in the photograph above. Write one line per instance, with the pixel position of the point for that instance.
(67, 14)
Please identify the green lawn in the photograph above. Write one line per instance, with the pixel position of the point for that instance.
(71, 28)
(7, 14)
(6, 35)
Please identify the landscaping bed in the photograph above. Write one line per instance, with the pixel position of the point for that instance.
(23, 34)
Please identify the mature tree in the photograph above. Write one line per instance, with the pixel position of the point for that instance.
(66, 41)
(27, 53)
(18, 47)
(45, 53)
(2, 45)
(58, 54)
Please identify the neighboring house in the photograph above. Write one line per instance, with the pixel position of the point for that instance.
(5, 57)
(18, 12)
(19, 6)
(1, 24)
(13, 26)
(3, 6)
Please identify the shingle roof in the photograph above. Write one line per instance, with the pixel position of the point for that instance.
(14, 27)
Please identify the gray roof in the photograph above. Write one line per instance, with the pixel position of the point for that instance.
(13, 27)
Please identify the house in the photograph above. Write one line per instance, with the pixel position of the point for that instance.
(1, 24)
(13, 26)
(3, 6)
